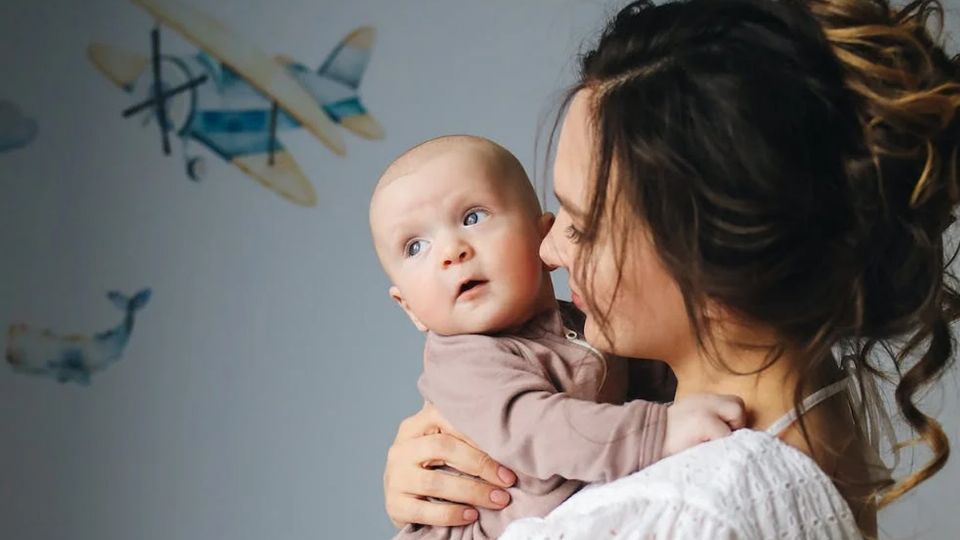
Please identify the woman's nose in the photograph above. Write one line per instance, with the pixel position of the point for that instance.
(548, 252)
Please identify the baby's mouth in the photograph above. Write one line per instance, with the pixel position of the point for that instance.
(470, 285)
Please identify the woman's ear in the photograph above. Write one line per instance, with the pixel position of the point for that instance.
(545, 221)
(395, 294)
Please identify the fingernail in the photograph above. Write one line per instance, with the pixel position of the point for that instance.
(470, 514)
(499, 497)
(506, 475)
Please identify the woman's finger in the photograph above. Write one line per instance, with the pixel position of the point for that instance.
(423, 441)
(464, 489)
(460, 455)
(409, 509)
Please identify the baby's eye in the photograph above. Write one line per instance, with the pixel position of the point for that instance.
(414, 247)
(475, 216)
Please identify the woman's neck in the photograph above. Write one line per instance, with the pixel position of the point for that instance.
(832, 438)
(767, 394)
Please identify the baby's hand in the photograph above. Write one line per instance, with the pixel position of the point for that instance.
(700, 418)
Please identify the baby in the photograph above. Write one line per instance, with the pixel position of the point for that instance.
(457, 227)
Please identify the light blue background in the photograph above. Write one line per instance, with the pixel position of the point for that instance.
(267, 375)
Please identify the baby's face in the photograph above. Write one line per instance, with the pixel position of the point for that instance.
(460, 246)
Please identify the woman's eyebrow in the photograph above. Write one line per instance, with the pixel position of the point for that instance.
(573, 210)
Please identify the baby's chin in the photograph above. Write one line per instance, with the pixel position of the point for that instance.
(482, 320)
(454, 327)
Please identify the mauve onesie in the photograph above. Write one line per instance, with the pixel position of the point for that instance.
(529, 399)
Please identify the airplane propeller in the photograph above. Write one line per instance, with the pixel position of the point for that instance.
(165, 95)
(158, 88)
(159, 96)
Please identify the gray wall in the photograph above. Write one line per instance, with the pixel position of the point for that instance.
(265, 378)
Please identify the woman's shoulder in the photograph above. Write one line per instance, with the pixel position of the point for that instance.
(748, 468)
(747, 485)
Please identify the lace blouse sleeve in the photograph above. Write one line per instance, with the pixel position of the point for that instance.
(748, 486)
(640, 519)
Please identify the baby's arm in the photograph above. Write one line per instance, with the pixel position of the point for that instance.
(508, 406)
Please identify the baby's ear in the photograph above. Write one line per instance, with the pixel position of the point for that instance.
(545, 222)
(395, 294)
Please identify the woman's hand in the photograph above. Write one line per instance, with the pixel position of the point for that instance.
(426, 440)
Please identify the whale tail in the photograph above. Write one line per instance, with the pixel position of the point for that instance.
(127, 304)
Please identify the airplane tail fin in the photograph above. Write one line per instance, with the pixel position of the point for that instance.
(346, 64)
(130, 305)
(335, 83)
(348, 60)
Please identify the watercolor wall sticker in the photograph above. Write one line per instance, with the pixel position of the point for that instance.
(73, 358)
(233, 99)
(16, 129)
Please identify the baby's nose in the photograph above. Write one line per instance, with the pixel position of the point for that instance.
(457, 254)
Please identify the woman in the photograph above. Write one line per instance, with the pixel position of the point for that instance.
(750, 191)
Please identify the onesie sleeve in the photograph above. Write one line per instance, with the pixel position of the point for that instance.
(486, 388)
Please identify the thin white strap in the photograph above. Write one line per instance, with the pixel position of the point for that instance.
(811, 401)
(875, 422)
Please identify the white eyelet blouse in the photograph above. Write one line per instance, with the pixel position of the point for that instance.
(750, 485)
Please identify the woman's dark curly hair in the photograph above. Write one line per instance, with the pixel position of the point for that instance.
(796, 163)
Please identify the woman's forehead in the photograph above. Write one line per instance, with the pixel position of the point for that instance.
(572, 164)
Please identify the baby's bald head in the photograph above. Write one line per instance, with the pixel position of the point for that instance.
(502, 166)
(459, 211)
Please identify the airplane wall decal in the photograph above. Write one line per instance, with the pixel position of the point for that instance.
(232, 99)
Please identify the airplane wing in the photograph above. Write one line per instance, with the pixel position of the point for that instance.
(120, 66)
(241, 137)
(261, 71)
(283, 176)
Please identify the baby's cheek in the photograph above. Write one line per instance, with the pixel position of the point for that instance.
(427, 302)
(518, 256)
(523, 265)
